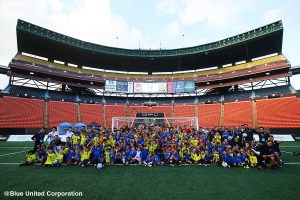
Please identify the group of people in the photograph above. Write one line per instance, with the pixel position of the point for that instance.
(155, 145)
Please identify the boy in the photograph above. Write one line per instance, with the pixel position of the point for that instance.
(156, 160)
(175, 158)
(253, 159)
(85, 157)
(51, 159)
(70, 157)
(30, 158)
(216, 158)
(124, 156)
(149, 161)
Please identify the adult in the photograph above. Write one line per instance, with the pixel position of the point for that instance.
(52, 134)
(38, 139)
(262, 135)
(268, 153)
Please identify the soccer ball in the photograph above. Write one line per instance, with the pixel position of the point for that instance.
(244, 134)
(99, 165)
(224, 164)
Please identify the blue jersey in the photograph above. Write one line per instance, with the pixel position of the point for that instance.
(227, 158)
(144, 154)
(132, 154)
(70, 155)
(156, 159)
(176, 156)
(78, 157)
(102, 157)
(237, 159)
(112, 155)
(149, 159)
(96, 152)
(118, 155)
(187, 156)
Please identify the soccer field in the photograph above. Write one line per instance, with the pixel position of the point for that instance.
(139, 182)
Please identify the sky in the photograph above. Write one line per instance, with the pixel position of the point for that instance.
(150, 24)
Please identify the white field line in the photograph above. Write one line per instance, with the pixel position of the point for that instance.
(8, 154)
(288, 152)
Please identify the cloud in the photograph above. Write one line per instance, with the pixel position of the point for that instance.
(88, 20)
(272, 15)
(168, 6)
(217, 14)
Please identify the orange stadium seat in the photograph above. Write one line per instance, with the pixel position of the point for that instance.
(61, 112)
(114, 111)
(18, 112)
(279, 113)
(208, 114)
(184, 111)
(237, 113)
(91, 113)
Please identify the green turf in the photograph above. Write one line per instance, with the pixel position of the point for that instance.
(137, 182)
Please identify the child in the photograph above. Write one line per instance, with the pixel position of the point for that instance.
(112, 157)
(60, 156)
(175, 158)
(85, 157)
(195, 158)
(156, 160)
(78, 157)
(187, 157)
(51, 159)
(216, 158)
(30, 158)
(118, 157)
(137, 157)
(124, 158)
(227, 159)
(253, 159)
(149, 161)
(70, 157)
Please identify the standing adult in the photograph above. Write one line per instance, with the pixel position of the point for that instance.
(38, 139)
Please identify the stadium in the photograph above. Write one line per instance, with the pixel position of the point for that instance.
(234, 84)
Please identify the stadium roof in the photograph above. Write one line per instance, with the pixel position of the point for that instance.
(42, 42)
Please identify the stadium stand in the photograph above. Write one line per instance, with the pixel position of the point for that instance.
(236, 113)
(91, 113)
(272, 90)
(201, 75)
(62, 96)
(208, 114)
(238, 95)
(26, 91)
(62, 112)
(209, 98)
(114, 100)
(113, 111)
(278, 113)
(185, 100)
(18, 112)
(184, 111)
(91, 98)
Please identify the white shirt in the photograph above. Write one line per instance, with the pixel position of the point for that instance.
(52, 134)
(69, 134)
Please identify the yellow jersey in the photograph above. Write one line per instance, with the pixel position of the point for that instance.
(85, 155)
(75, 139)
(253, 160)
(50, 158)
